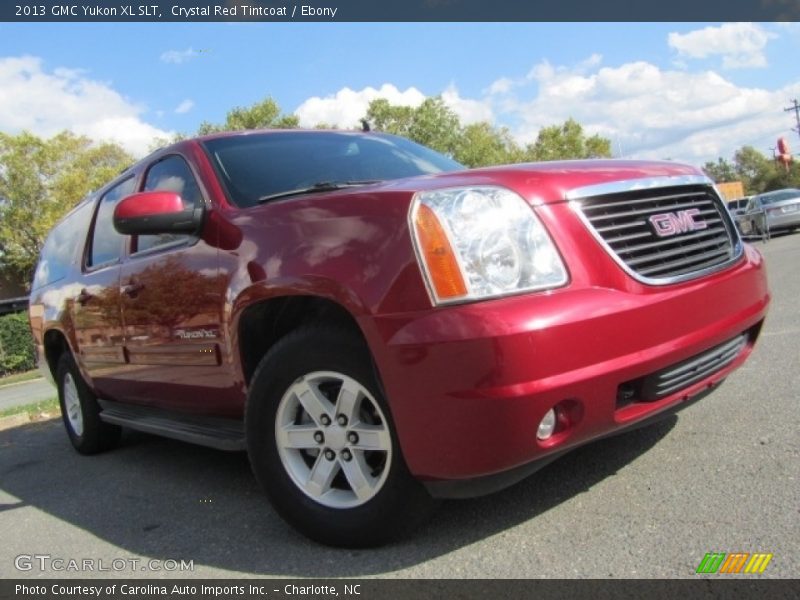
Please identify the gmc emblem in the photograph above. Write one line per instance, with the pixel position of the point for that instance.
(683, 221)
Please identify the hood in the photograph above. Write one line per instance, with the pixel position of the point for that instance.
(548, 182)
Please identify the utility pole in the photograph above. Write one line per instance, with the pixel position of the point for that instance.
(796, 108)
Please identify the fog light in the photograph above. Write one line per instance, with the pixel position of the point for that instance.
(547, 426)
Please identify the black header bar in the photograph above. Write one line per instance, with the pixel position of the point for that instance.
(387, 589)
(155, 11)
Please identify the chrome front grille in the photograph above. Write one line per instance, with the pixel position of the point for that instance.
(662, 234)
(684, 374)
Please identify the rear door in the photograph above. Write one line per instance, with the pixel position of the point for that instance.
(95, 305)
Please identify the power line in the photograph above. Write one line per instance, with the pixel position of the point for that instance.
(796, 108)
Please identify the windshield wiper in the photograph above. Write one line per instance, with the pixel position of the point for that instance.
(320, 186)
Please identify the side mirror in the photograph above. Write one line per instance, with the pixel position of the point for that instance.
(152, 213)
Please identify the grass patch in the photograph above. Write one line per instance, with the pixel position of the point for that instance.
(35, 411)
(20, 377)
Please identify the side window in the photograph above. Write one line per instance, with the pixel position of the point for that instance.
(106, 241)
(170, 174)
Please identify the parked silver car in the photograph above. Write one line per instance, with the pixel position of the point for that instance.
(770, 212)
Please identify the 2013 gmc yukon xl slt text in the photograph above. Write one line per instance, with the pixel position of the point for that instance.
(378, 326)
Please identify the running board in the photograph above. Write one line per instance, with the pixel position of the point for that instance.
(215, 432)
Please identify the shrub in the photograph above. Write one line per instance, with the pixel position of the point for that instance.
(16, 344)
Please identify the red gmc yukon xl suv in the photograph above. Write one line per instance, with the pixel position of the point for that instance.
(378, 326)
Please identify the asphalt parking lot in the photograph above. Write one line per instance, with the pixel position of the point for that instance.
(722, 476)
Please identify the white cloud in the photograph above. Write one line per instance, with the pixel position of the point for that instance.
(646, 111)
(48, 102)
(468, 111)
(740, 44)
(184, 107)
(177, 57)
(593, 61)
(346, 107)
(500, 86)
(542, 70)
(649, 112)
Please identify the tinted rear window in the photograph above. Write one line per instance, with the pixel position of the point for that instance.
(257, 165)
(61, 246)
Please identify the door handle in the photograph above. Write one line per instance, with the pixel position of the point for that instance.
(132, 289)
(83, 297)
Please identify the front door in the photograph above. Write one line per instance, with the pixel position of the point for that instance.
(172, 300)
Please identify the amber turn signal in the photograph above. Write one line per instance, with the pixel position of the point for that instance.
(438, 256)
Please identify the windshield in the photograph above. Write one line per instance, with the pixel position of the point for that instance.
(262, 165)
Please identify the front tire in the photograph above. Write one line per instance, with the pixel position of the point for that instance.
(322, 443)
(81, 412)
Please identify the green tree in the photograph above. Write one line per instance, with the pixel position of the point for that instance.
(16, 344)
(481, 145)
(265, 114)
(567, 141)
(161, 142)
(431, 124)
(40, 180)
(761, 173)
(754, 169)
(721, 171)
(757, 171)
(434, 124)
(390, 118)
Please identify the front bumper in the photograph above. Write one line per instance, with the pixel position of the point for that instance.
(468, 385)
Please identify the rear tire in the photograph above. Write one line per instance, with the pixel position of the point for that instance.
(81, 412)
(322, 442)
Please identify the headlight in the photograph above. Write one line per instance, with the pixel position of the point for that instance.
(482, 242)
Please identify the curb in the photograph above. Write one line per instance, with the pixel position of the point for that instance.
(16, 383)
(14, 421)
(21, 419)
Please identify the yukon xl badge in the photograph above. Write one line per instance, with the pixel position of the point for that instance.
(683, 221)
(195, 334)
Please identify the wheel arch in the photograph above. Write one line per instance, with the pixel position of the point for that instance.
(262, 323)
(55, 344)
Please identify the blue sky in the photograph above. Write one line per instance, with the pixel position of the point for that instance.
(685, 91)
